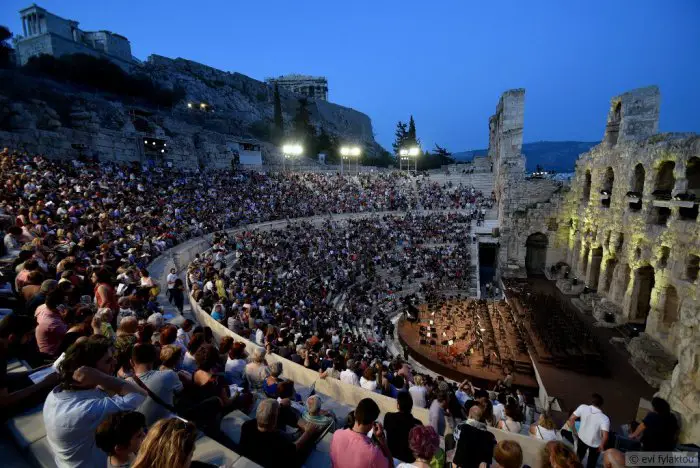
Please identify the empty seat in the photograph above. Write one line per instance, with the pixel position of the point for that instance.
(28, 427)
(232, 423)
(208, 450)
(41, 454)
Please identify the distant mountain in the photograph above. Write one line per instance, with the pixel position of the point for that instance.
(557, 156)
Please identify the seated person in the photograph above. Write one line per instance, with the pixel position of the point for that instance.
(269, 385)
(76, 407)
(508, 454)
(314, 414)
(169, 443)
(235, 365)
(17, 391)
(424, 444)
(353, 448)
(263, 443)
(120, 436)
(474, 442)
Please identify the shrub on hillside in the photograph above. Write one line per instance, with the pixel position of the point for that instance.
(103, 75)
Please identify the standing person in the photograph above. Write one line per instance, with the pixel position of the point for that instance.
(353, 448)
(437, 412)
(398, 425)
(593, 433)
(172, 276)
(177, 295)
(76, 407)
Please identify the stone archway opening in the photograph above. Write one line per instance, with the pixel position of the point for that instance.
(607, 188)
(692, 176)
(637, 188)
(610, 265)
(596, 261)
(671, 306)
(536, 253)
(645, 281)
(621, 287)
(587, 187)
(584, 259)
(665, 180)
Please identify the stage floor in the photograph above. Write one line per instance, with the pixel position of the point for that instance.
(480, 376)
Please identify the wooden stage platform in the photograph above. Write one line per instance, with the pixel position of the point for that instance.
(469, 339)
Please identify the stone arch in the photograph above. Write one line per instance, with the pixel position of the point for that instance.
(665, 180)
(587, 186)
(594, 271)
(621, 283)
(637, 185)
(536, 253)
(608, 180)
(671, 306)
(585, 251)
(644, 284)
(610, 265)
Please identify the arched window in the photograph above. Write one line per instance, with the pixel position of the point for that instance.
(692, 174)
(587, 187)
(665, 180)
(608, 182)
(638, 180)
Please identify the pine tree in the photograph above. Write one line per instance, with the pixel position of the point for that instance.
(400, 137)
(302, 129)
(411, 138)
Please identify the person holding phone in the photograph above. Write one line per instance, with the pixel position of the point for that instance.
(364, 445)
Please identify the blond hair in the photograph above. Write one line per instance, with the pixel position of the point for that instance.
(168, 444)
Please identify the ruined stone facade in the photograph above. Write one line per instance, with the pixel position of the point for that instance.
(46, 33)
(515, 194)
(628, 228)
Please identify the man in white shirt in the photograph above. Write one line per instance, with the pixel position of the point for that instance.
(349, 376)
(75, 408)
(593, 433)
(172, 276)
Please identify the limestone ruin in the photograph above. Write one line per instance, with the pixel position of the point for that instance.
(626, 228)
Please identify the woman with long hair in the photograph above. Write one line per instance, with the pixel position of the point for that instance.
(168, 444)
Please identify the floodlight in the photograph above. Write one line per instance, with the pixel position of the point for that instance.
(403, 152)
(356, 151)
(414, 151)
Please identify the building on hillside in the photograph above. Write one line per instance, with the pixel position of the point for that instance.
(310, 86)
(46, 33)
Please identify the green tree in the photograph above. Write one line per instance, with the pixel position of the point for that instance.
(411, 138)
(5, 49)
(279, 120)
(400, 137)
(302, 130)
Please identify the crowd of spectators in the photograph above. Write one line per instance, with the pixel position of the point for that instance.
(121, 385)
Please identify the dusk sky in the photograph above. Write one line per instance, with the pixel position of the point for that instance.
(446, 62)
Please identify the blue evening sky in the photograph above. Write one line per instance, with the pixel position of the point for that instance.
(444, 61)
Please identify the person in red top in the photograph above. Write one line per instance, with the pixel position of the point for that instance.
(105, 295)
(352, 448)
(50, 328)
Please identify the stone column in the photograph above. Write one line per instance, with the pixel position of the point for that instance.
(24, 26)
(630, 297)
(32, 22)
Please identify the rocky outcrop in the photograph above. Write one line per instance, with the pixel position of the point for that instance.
(250, 101)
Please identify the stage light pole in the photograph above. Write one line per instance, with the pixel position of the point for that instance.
(346, 152)
(405, 154)
(289, 151)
